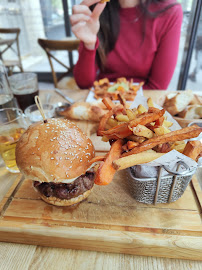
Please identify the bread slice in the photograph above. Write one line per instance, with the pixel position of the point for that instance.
(197, 100)
(177, 102)
(192, 112)
(84, 111)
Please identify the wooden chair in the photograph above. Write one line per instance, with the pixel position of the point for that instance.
(7, 43)
(69, 44)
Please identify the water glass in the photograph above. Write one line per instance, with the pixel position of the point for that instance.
(33, 114)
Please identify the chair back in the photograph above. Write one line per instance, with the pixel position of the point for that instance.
(10, 31)
(7, 43)
(69, 44)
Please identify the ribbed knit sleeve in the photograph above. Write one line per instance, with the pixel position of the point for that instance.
(85, 68)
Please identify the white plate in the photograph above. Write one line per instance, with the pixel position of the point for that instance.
(90, 98)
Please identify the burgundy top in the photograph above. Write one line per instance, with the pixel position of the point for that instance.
(151, 59)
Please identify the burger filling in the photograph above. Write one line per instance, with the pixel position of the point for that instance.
(67, 191)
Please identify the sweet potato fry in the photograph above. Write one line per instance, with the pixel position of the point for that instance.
(122, 100)
(159, 122)
(181, 134)
(105, 118)
(118, 132)
(124, 130)
(193, 149)
(146, 118)
(96, 159)
(108, 103)
(106, 171)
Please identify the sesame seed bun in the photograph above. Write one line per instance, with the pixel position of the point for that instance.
(56, 151)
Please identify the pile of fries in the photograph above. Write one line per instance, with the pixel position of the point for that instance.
(103, 88)
(140, 136)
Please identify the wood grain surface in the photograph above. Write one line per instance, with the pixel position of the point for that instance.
(20, 256)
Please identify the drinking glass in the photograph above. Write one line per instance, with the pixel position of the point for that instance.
(33, 114)
(24, 87)
(12, 125)
(6, 96)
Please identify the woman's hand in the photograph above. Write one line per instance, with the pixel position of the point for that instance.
(85, 23)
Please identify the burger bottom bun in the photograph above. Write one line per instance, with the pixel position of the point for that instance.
(59, 202)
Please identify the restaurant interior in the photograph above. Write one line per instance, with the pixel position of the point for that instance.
(49, 19)
(37, 43)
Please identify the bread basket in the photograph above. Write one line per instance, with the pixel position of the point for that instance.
(161, 189)
(186, 122)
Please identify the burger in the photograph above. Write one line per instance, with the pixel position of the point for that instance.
(55, 155)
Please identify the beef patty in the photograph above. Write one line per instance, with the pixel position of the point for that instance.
(67, 191)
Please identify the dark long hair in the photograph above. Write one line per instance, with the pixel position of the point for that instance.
(110, 25)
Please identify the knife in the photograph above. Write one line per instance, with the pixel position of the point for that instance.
(68, 99)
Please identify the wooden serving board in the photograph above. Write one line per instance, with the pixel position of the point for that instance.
(109, 220)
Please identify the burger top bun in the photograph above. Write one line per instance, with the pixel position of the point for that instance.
(54, 151)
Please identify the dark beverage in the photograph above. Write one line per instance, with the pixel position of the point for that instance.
(24, 87)
(25, 100)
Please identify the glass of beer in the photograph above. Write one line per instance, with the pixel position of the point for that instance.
(24, 87)
(13, 123)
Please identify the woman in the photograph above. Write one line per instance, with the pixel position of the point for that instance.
(136, 39)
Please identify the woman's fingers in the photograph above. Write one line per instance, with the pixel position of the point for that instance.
(81, 9)
(77, 27)
(74, 19)
(97, 11)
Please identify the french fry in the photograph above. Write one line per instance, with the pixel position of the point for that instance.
(163, 148)
(159, 122)
(105, 139)
(178, 147)
(136, 138)
(96, 159)
(103, 1)
(122, 118)
(131, 144)
(183, 134)
(106, 171)
(124, 130)
(141, 109)
(146, 118)
(193, 149)
(119, 132)
(167, 123)
(122, 99)
(112, 122)
(179, 142)
(108, 103)
(105, 118)
(161, 130)
(131, 115)
(142, 131)
(150, 102)
(136, 159)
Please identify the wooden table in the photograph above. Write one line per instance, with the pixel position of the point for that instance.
(20, 256)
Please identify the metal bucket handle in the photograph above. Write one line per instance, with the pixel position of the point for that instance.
(175, 174)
